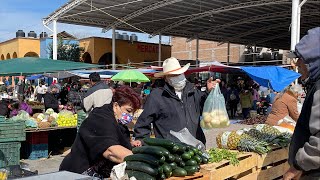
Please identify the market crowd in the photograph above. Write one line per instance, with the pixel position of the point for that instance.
(172, 103)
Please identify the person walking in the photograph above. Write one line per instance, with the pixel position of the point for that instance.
(176, 106)
(304, 152)
(98, 95)
(246, 102)
(40, 91)
(233, 100)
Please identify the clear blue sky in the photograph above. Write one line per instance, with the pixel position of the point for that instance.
(27, 15)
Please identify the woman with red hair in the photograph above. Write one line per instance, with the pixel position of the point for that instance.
(103, 139)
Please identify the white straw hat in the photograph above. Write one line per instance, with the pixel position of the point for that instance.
(172, 66)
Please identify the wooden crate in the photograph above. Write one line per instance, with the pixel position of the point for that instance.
(225, 170)
(270, 166)
(203, 175)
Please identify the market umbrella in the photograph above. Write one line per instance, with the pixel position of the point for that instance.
(274, 77)
(31, 65)
(130, 76)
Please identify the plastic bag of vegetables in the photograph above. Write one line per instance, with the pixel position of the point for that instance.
(214, 111)
(22, 116)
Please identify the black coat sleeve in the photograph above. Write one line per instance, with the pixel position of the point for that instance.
(98, 133)
(143, 126)
(50, 101)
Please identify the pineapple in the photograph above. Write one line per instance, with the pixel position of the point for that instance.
(260, 136)
(249, 144)
(228, 140)
(267, 129)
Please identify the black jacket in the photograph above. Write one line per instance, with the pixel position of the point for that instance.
(51, 101)
(96, 134)
(168, 112)
(304, 151)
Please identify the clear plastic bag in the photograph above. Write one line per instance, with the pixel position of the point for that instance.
(214, 111)
(186, 137)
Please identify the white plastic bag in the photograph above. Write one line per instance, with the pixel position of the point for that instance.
(214, 111)
(186, 137)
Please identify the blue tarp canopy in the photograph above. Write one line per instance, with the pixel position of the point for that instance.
(34, 77)
(274, 77)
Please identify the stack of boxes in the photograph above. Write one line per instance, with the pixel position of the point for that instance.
(37, 145)
(12, 133)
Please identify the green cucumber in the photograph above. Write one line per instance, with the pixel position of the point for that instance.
(177, 158)
(186, 156)
(143, 167)
(182, 164)
(173, 165)
(191, 170)
(179, 172)
(191, 162)
(174, 149)
(139, 175)
(182, 148)
(191, 153)
(167, 170)
(205, 160)
(160, 170)
(153, 150)
(197, 158)
(161, 176)
(162, 160)
(159, 142)
(171, 158)
(143, 158)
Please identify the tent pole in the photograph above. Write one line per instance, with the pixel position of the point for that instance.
(54, 41)
(228, 61)
(294, 23)
(197, 52)
(254, 57)
(113, 47)
(159, 51)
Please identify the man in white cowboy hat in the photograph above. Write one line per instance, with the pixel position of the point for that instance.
(176, 106)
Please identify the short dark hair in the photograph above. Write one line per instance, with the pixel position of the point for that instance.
(94, 77)
(126, 95)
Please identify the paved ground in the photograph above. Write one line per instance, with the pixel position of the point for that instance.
(52, 164)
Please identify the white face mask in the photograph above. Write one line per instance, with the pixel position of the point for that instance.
(177, 82)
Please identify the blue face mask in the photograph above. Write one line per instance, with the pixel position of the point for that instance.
(125, 118)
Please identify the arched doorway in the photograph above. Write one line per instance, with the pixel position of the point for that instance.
(86, 58)
(14, 55)
(2, 57)
(31, 54)
(8, 56)
(106, 59)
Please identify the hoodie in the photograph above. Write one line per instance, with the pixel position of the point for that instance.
(304, 153)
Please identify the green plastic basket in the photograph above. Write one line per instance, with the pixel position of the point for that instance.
(9, 154)
(11, 131)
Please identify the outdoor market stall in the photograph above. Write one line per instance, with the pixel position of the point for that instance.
(48, 121)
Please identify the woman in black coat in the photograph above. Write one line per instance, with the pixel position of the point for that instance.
(51, 99)
(103, 139)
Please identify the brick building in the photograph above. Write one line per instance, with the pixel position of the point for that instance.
(208, 50)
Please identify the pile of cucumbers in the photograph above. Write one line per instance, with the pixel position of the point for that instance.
(162, 158)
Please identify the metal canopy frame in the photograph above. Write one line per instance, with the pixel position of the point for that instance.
(261, 22)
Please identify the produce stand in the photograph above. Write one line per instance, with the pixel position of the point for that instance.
(203, 174)
(270, 166)
(30, 130)
(251, 166)
(224, 170)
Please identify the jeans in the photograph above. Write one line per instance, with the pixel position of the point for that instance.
(245, 112)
